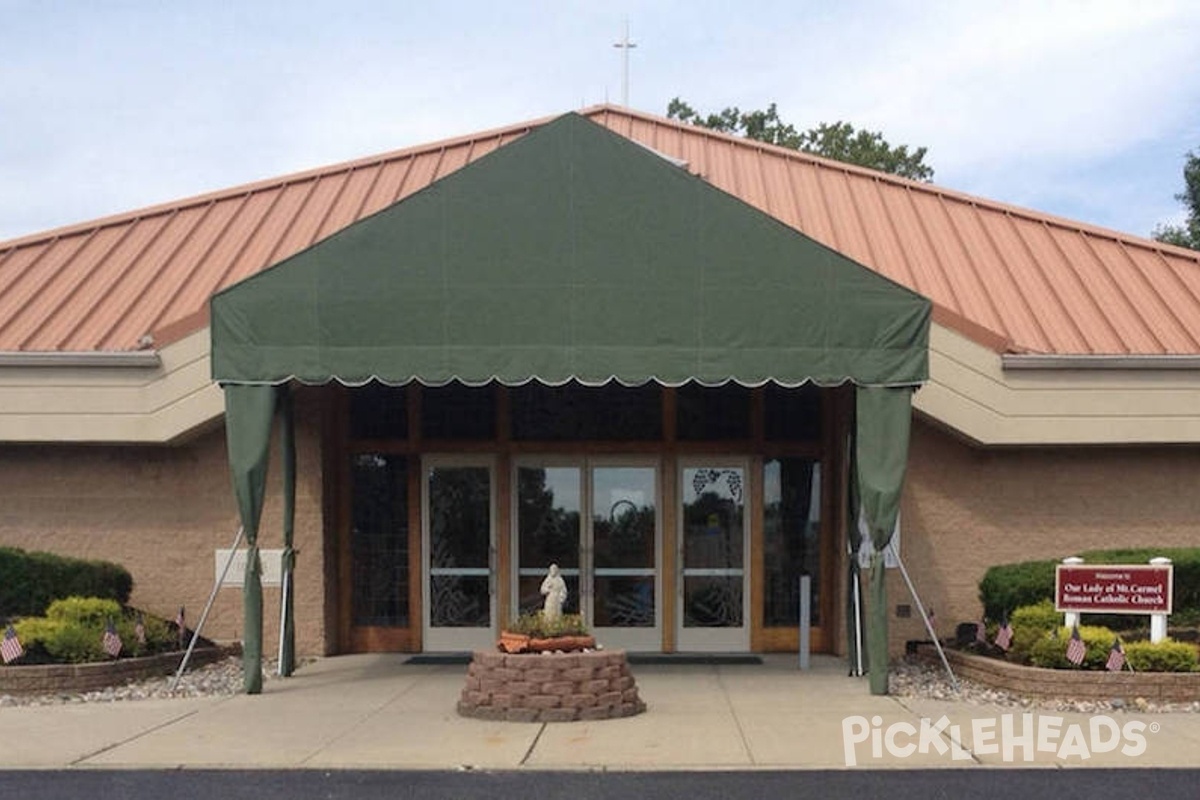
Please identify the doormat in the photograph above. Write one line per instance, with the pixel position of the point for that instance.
(439, 658)
(634, 658)
(694, 658)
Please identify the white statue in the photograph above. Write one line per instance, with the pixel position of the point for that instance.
(555, 590)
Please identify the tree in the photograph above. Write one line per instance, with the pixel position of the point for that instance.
(1187, 234)
(839, 141)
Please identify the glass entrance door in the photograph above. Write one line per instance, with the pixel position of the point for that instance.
(459, 554)
(599, 522)
(713, 596)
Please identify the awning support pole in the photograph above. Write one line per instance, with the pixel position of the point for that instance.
(208, 607)
(280, 666)
(924, 617)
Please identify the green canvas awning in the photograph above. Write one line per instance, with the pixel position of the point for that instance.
(574, 254)
(570, 253)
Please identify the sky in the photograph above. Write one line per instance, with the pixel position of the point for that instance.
(1084, 110)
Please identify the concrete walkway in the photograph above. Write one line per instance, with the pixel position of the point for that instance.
(375, 711)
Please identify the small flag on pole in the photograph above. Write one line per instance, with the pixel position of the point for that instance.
(139, 630)
(1116, 656)
(11, 648)
(179, 623)
(111, 641)
(1005, 634)
(1076, 649)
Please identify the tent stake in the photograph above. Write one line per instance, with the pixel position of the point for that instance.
(208, 607)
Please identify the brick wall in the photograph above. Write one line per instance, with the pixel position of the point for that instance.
(162, 511)
(966, 508)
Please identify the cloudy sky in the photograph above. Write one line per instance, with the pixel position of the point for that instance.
(1081, 109)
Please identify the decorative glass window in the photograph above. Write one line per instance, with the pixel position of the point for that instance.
(578, 413)
(378, 412)
(793, 415)
(712, 413)
(455, 411)
(791, 538)
(379, 540)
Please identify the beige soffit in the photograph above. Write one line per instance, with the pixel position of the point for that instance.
(1024, 400)
(68, 397)
(989, 398)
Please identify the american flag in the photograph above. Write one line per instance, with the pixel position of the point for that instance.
(110, 641)
(11, 648)
(139, 630)
(1116, 656)
(1004, 635)
(1076, 649)
(182, 628)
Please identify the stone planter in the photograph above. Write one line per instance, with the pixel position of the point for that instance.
(1159, 687)
(550, 687)
(78, 678)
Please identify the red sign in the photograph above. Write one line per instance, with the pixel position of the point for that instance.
(1113, 588)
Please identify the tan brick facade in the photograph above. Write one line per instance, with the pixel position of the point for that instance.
(162, 511)
(966, 508)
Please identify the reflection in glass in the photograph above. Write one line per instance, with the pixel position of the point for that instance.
(624, 518)
(548, 519)
(460, 547)
(379, 540)
(791, 546)
(713, 547)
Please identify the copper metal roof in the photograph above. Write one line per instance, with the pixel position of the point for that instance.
(1010, 278)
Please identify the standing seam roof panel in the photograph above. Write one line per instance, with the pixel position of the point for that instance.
(1115, 294)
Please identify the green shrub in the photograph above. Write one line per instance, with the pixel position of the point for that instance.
(29, 582)
(73, 628)
(1051, 652)
(534, 625)
(94, 611)
(1164, 656)
(1008, 586)
(1030, 625)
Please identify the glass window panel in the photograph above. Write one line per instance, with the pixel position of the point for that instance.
(713, 547)
(576, 413)
(460, 531)
(623, 517)
(712, 518)
(458, 412)
(624, 602)
(712, 413)
(791, 538)
(548, 525)
(379, 540)
(379, 412)
(459, 516)
(460, 601)
(792, 415)
(712, 601)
